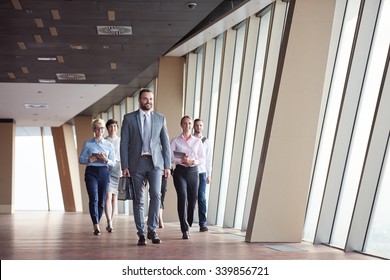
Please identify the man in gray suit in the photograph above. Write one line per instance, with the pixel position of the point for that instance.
(145, 156)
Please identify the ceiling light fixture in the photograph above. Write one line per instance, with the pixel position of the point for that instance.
(47, 58)
(36, 105)
(47, 81)
(114, 30)
(71, 76)
(78, 47)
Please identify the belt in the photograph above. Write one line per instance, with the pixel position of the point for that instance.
(146, 156)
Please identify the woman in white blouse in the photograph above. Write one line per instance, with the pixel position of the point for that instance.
(187, 153)
(115, 173)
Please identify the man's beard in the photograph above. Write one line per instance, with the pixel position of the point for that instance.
(146, 107)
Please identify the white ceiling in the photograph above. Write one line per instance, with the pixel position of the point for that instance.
(64, 102)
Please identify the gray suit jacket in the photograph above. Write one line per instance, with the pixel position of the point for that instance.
(131, 141)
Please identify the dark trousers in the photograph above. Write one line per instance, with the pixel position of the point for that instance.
(163, 191)
(96, 179)
(186, 181)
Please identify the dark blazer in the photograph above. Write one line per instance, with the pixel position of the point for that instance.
(131, 141)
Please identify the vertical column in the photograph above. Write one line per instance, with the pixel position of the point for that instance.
(7, 163)
(283, 178)
(169, 101)
(67, 167)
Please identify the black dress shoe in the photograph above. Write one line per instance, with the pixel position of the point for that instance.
(186, 235)
(141, 240)
(153, 235)
(203, 229)
(96, 232)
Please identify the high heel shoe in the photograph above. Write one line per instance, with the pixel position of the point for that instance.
(186, 235)
(96, 232)
(160, 220)
(109, 229)
(160, 223)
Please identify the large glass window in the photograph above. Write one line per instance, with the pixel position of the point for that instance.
(331, 117)
(215, 86)
(363, 125)
(36, 172)
(198, 83)
(378, 237)
(230, 122)
(258, 72)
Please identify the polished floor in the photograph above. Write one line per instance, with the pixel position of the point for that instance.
(69, 236)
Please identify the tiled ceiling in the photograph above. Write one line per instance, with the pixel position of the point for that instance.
(57, 41)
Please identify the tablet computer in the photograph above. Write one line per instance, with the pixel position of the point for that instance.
(179, 154)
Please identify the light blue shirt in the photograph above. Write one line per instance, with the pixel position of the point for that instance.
(92, 146)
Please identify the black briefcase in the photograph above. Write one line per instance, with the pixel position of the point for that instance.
(126, 188)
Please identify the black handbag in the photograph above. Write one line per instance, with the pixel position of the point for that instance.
(126, 188)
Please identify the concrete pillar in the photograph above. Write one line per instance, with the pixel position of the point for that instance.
(68, 171)
(283, 179)
(169, 101)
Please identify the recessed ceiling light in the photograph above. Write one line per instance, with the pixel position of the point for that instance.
(36, 105)
(78, 47)
(47, 81)
(47, 58)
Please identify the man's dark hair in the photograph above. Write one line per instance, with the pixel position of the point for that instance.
(144, 90)
(110, 122)
(198, 120)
